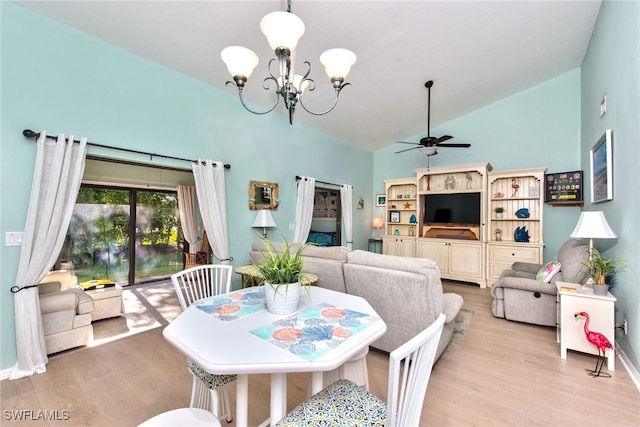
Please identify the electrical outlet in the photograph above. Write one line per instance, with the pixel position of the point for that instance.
(292, 226)
(623, 326)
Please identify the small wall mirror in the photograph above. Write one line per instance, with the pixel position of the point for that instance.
(263, 195)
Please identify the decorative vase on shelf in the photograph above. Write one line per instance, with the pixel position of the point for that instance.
(283, 298)
(600, 290)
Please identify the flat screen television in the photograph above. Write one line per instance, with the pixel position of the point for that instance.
(459, 208)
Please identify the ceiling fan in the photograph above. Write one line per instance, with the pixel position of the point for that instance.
(429, 144)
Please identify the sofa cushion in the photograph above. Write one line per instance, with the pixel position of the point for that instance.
(411, 265)
(550, 269)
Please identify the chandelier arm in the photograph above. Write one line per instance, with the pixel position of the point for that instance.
(245, 105)
(335, 102)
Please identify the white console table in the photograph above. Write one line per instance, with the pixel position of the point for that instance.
(573, 298)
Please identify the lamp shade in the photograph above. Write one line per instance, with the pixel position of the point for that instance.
(377, 222)
(338, 62)
(282, 29)
(264, 219)
(240, 60)
(593, 225)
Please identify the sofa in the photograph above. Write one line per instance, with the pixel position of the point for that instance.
(405, 292)
(66, 313)
(519, 296)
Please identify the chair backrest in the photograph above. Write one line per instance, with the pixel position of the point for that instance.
(201, 281)
(409, 372)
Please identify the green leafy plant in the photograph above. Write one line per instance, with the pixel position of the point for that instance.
(601, 268)
(499, 209)
(284, 266)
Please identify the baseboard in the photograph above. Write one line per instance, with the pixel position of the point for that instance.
(628, 366)
(4, 374)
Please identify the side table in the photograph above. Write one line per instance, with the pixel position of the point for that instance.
(573, 298)
(375, 246)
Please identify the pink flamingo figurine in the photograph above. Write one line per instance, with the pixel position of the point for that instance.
(515, 186)
(602, 344)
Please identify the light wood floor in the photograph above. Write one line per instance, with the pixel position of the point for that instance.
(503, 374)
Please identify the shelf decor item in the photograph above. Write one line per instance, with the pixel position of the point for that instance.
(394, 217)
(521, 234)
(499, 211)
(522, 213)
(602, 169)
(282, 271)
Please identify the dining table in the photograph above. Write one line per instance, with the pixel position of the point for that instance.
(234, 333)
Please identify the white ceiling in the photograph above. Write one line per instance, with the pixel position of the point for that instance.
(476, 52)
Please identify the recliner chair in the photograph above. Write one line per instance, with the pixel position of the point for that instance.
(518, 296)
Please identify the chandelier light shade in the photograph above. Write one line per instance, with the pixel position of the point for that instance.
(283, 30)
(240, 60)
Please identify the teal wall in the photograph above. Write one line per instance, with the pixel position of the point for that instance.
(612, 67)
(539, 127)
(57, 79)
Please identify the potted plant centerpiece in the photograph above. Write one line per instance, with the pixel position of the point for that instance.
(602, 268)
(499, 210)
(282, 270)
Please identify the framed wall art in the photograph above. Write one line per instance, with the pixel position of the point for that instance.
(381, 200)
(394, 217)
(602, 169)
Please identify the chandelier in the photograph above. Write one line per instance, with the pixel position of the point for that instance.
(283, 29)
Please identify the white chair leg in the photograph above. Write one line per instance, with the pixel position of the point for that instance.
(201, 397)
(224, 406)
(354, 370)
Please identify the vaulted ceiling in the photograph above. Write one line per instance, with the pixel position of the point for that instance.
(476, 52)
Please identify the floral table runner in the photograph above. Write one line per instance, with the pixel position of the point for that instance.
(234, 305)
(316, 330)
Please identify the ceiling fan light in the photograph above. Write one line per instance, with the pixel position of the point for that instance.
(429, 151)
(337, 62)
(240, 60)
(282, 29)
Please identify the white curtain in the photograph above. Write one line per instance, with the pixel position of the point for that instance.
(57, 176)
(304, 208)
(346, 199)
(187, 210)
(212, 199)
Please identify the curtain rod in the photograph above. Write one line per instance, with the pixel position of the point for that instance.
(298, 178)
(31, 134)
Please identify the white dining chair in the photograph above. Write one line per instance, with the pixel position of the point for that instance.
(346, 403)
(208, 390)
(187, 417)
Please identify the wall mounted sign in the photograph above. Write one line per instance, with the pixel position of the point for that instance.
(564, 188)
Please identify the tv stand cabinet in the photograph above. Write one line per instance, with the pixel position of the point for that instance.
(467, 252)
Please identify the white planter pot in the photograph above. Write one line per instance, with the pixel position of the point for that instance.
(498, 214)
(282, 299)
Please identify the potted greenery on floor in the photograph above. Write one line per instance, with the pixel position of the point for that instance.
(282, 270)
(601, 270)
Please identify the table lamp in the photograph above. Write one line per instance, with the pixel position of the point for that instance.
(264, 220)
(377, 223)
(593, 225)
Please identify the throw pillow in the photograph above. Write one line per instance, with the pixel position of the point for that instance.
(546, 273)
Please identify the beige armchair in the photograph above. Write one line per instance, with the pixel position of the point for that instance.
(66, 316)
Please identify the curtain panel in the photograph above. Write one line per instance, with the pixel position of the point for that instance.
(212, 199)
(304, 208)
(346, 199)
(57, 176)
(187, 210)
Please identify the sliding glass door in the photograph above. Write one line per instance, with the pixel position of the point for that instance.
(125, 235)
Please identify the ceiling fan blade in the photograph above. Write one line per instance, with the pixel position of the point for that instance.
(442, 139)
(408, 149)
(404, 142)
(455, 145)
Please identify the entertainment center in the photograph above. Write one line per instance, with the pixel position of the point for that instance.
(447, 214)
